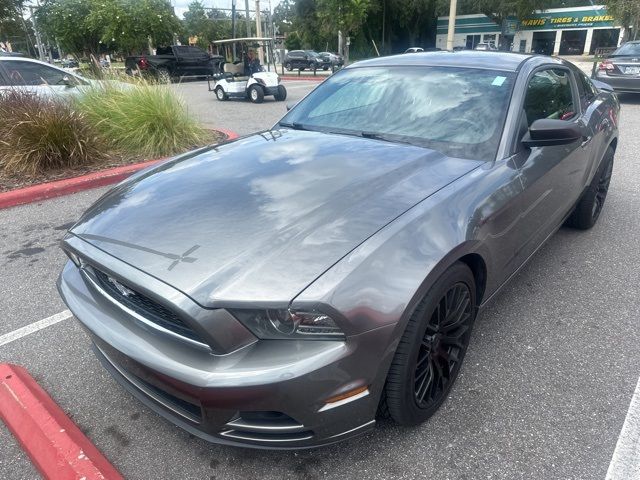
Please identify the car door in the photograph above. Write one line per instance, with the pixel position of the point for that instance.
(192, 60)
(37, 77)
(599, 118)
(552, 176)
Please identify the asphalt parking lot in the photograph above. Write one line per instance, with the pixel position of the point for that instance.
(239, 115)
(543, 392)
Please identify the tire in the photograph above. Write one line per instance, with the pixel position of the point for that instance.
(587, 211)
(427, 360)
(221, 95)
(325, 68)
(288, 66)
(163, 75)
(281, 95)
(256, 93)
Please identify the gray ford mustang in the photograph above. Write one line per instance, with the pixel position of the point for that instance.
(284, 289)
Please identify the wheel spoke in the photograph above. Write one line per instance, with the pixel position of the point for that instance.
(458, 317)
(427, 381)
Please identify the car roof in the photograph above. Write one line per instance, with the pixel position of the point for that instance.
(494, 60)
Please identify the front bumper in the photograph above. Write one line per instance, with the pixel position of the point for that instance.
(267, 394)
(620, 83)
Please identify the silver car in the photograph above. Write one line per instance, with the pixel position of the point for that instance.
(39, 77)
(285, 289)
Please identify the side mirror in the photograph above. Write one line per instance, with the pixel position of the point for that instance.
(66, 80)
(290, 105)
(547, 132)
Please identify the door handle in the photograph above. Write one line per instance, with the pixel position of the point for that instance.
(586, 141)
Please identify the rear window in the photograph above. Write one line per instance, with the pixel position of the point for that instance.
(628, 49)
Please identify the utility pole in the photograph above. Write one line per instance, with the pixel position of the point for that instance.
(452, 24)
(259, 30)
(233, 19)
(247, 19)
(41, 54)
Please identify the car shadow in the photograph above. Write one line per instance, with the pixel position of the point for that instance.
(629, 98)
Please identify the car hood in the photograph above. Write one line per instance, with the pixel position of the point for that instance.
(258, 219)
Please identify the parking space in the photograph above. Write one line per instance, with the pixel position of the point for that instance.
(543, 392)
(239, 115)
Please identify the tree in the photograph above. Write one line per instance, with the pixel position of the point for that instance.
(67, 22)
(284, 15)
(206, 24)
(292, 42)
(627, 12)
(85, 27)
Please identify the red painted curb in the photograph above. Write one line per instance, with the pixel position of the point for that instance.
(56, 446)
(66, 186)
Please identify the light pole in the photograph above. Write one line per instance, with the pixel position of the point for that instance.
(452, 24)
(259, 30)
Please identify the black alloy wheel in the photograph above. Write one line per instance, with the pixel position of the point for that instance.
(587, 211)
(442, 343)
(602, 188)
(430, 353)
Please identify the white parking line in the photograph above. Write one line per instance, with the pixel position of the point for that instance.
(34, 327)
(625, 463)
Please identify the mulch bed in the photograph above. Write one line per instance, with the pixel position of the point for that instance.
(13, 182)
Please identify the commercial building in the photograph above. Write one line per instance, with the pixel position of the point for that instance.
(557, 31)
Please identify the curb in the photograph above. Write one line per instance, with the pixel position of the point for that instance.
(56, 446)
(58, 188)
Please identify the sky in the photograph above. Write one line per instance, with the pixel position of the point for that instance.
(180, 6)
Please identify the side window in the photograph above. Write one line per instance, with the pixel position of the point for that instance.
(549, 95)
(588, 92)
(29, 73)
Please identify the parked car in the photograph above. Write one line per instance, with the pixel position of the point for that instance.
(622, 69)
(414, 50)
(332, 59)
(38, 77)
(69, 63)
(486, 47)
(44, 79)
(302, 59)
(261, 294)
(173, 62)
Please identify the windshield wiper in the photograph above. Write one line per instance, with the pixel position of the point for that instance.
(293, 125)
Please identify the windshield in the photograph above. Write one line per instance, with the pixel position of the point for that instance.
(311, 53)
(457, 111)
(628, 49)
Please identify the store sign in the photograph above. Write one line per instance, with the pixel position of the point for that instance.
(509, 26)
(559, 20)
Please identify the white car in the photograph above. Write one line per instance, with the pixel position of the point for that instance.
(487, 47)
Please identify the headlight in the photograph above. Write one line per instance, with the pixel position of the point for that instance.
(289, 324)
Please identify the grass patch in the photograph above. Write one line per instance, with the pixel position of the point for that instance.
(39, 134)
(143, 119)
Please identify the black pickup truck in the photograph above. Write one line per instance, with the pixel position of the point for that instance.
(174, 62)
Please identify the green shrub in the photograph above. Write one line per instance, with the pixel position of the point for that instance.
(39, 134)
(142, 119)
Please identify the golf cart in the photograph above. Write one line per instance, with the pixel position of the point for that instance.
(242, 75)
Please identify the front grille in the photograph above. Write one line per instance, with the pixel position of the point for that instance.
(182, 407)
(144, 306)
